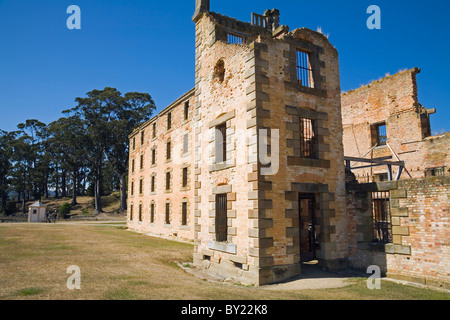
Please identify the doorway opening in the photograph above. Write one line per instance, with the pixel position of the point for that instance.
(309, 229)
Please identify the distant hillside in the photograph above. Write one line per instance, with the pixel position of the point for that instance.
(83, 210)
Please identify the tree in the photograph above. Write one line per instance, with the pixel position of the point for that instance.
(5, 167)
(110, 118)
(69, 140)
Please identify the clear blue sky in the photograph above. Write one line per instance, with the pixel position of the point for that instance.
(148, 46)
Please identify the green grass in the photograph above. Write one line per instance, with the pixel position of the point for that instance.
(30, 291)
(117, 264)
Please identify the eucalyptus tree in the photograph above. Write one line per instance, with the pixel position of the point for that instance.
(68, 141)
(110, 117)
(6, 139)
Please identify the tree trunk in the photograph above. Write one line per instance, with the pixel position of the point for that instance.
(75, 189)
(98, 204)
(23, 205)
(63, 184)
(123, 192)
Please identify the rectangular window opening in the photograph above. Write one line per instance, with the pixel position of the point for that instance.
(168, 151)
(153, 156)
(221, 143)
(167, 180)
(167, 218)
(185, 177)
(381, 217)
(221, 217)
(169, 121)
(308, 139)
(152, 186)
(186, 110)
(152, 213)
(381, 134)
(184, 213)
(304, 70)
(234, 39)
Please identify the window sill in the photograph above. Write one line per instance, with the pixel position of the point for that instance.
(167, 225)
(297, 161)
(222, 165)
(184, 227)
(297, 87)
(223, 246)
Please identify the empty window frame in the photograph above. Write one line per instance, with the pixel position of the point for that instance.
(168, 150)
(234, 39)
(435, 172)
(141, 186)
(140, 211)
(153, 156)
(304, 70)
(141, 164)
(186, 110)
(142, 137)
(167, 216)
(131, 212)
(221, 143)
(308, 139)
(380, 134)
(184, 213)
(133, 143)
(154, 130)
(221, 217)
(169, 120)
(132, 165)
(381, 217)
(185, 177)
(153, 184)
(152, 212)
(167, 180)
(132, 188)
(186, 143)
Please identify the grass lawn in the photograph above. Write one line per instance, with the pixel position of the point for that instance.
(117, 264)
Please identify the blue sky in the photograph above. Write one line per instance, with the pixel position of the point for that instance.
(148, 46)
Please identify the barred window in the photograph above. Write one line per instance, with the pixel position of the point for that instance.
(380, 134)
(221, 217)
(234, 39)
(304, 70)
(381, 217)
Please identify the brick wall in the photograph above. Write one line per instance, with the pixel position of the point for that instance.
(419, 214)
(176, 194)
(392, 100)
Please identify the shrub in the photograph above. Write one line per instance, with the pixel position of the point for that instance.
(64, 209)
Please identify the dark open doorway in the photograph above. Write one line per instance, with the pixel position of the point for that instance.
(308, 228)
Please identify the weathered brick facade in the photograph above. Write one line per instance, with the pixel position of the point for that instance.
(150, 164)
(255, 217)
(393, 101)
(419, 250)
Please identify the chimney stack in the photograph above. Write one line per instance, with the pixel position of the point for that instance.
(200, 6)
